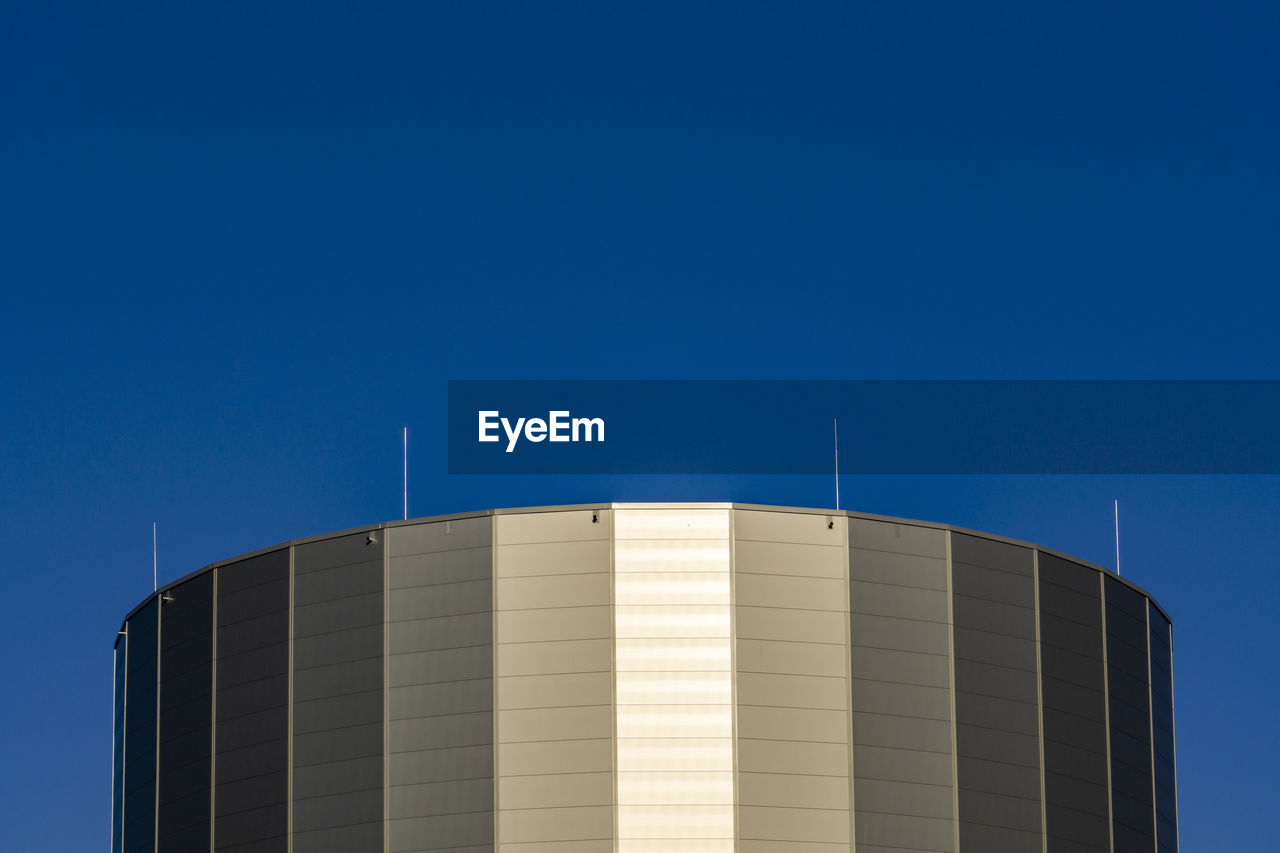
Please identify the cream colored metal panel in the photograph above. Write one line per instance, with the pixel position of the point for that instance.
(769, 623)
(790, 658)
(563, 824)
(534, 593)
(641, 621)
(792, 791)
(898, 569)
(559, 656)
(554, 558)
(554, 623)
(550, 691)
(658, 788)
(773, 756)
(671, 589)
(672, 689)
(679, 754)
(565, 756)
(675, 556)
(672, 524)
(797, 527)
(673, 662)
(795, 691)
(787, 558)
(801, 593)
(548, 724)
(568, 526)
(824, 825)
(792, 724)
(677, 825)
(556, 790)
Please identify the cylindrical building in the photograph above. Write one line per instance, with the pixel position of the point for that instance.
(644, 678)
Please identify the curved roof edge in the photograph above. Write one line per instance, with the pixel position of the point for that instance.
(647, 505)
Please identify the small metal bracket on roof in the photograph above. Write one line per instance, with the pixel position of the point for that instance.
(371, 539)
(166, 597)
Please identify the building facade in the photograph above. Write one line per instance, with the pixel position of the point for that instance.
(643, 678)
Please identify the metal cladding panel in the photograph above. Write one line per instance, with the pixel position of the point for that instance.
(792, 565)
(1162, 727)
(553, 664)
(338, 705)
(186, 714)
(251, 705)
(140, 731)
(997, 717)
(1129, 706)
(1073, 685)
(117, 745)
(440, 685)
(901, 715)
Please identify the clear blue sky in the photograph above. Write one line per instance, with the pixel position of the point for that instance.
(242, 246)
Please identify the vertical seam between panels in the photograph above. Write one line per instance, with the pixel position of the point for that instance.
(386, 689)
(613, 667)
(493, 640)
(848, 680)
(733, 666)
(1044, 794)
(155, 817)
(1106, 711)
(951, 659)
(289, 716)
(1151, 729)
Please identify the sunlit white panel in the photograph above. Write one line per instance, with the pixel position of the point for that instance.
(651, 620)
(674, 662)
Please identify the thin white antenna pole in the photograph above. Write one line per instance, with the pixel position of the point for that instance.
(1117, 508)
(406, 473)
(155, 572)
(835, 434)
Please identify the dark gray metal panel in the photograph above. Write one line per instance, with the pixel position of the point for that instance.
(1129, 707)
(440, 685)
(186, 714)
(338, 699)
(1073, 689)
(901, 702)
(997, 716)
(1162, 726)
(251, 716)
(139, 827)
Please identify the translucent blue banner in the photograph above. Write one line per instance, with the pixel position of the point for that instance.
(884, 427)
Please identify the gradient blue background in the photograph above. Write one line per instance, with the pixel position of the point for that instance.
(242, 245)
